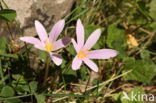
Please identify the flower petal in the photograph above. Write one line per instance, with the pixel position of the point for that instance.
(30, 40)
(92, 39)
(91, 65)
(37, 43)
(75, 45)
(80, 33)
(56, 58)
(61, 43)
(56, 30)
(102, 54)
(76, 63)
(39, 47)
(41, 31)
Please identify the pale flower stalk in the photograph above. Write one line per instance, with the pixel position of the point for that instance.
(84, 54)
(49, 42)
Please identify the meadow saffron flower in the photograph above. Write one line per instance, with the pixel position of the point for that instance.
(49, 42)
(83, 49)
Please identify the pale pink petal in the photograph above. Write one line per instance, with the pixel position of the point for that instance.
(91, 65)
(76, 63)
(61, 43)
(80, 33)
(39, 47)
(30, 40)
(37, 43)
(56, 58)
(56, 30)
(92, 39)
(102, 54)
(75, 45)
(41, 31)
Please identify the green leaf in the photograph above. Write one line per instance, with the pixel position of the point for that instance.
(3, 45)
(7, 14)
(71, 50)
(20, 84)
(142, 8)
(117, 97)
(153, 25)
(69, 75)
(7, 91)
(13, 101)
(70, 72)
(40, 98)
(23, 88)
(9, 55)
(17, 76)
(142, 70)
(83, 69)
(116, 39)
(33, 86)
(145, 54)
(153, 9)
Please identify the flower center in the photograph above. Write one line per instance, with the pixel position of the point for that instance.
(49, 46)
(82, 54)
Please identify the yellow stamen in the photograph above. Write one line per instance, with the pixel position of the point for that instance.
(82, 54)
(49, 46)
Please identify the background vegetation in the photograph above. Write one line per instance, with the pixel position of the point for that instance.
(128, 26)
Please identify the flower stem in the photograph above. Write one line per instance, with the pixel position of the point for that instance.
(87, 83)
(46, 70)
(1, 73)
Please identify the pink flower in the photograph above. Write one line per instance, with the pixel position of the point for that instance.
(49, 42)
(83, 49)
